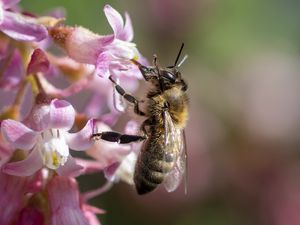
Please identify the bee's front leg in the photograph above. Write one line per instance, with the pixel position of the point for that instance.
(112, 136)
(128, 97)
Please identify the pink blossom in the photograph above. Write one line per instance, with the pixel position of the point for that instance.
(109, 52)
(13, 70)
(12, 191)
(65, 206)
(118, 160)
(17, 26)
(46, 139)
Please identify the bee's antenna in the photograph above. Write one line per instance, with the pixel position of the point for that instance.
(182, 61)
(179, 53)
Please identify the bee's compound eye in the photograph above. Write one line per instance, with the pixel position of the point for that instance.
(169, 76)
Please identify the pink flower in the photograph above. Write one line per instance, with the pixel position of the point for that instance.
(13, 71)
(12, 190)
(17, 26)
(118, 160)
(65, 206)
(46, 139)
(108, 53)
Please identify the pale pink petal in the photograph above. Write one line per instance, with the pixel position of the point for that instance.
(64, 202)
(13, 72)
(18, 135)
(95, 105)
(71, 168)
(109, 172)
(26, 167)
(114, 19)
(1, 15)
(93, 209)
(82, 139)
(21, 28)
(38, 62)
(127, 32)
(89, 166)
(102, 64)
(92, 218)
(74, 88)
(58, 12)
(9, 3)
(62, 114)
(39, 117)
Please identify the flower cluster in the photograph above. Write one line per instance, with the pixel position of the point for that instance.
(40, 124)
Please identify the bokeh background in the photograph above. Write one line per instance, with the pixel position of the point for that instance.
(244, 86)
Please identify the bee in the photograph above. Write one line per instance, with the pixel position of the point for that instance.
(163, 156)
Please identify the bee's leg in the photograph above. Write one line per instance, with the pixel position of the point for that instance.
(112, 136)
(128, 97)
(146, 123)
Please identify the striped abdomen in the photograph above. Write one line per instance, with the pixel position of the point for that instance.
(152, 165)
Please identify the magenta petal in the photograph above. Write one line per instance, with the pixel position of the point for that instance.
(38, 62)
(127, 32)
(62, 114)
(32, 214)
(26, 167)
(82, 139)
(13, 73)
(18, 135)
(114, 19)
(70, 169)
(21, 28)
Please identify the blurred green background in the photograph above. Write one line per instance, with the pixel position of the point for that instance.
(243, 134)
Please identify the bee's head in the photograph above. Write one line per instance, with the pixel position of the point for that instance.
(172, 76)
(166, 77)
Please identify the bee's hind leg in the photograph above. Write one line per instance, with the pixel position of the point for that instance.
(128, 97)
(112, 136)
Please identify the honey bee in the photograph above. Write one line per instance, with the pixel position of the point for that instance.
(163, 156)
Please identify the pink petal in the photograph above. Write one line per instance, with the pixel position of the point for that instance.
(82, 139)
(1, 15)
(89, 166)
(13, 72)
(109, 172)
(21, 28)
(127, 32)
(18, 135)
(39, 117)
(38, 62)
(114, 19)
(64, 202)
(30, 216)
(71, 168)
(92, 218)
(26, 167)
(9, 3)
(12, 197)
(70, 90)
(62, 114)
(102, 64)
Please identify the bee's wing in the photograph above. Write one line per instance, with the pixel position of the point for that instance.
(175, 148)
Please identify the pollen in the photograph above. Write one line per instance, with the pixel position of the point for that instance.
(60, 34)
(55, 159)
